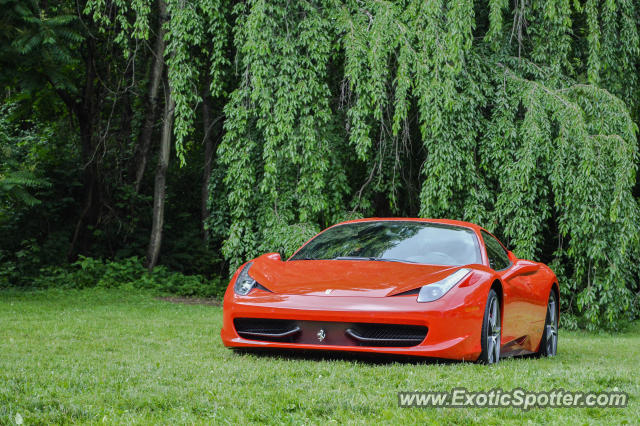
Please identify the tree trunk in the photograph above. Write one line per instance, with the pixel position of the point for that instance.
(125, 136)
(85, 111)
(209, 149)
(160, 181)
(157, 70)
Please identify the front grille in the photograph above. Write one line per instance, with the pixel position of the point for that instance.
(330, 332)
(272, 330)
(387, 334)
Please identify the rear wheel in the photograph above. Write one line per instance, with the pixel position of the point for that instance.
(549, 341)
(491, 330)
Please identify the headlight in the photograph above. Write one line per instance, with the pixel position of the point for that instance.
(435, 291)
(244, 282)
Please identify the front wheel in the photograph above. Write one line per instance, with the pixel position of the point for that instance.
(491, 330)
(549, 341)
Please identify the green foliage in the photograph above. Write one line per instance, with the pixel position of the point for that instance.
(286, 239)
(281, 149)
(575, 170)
(128, 273)
(37, 48)
(129, 18)
(521, 116)
(192, 27)
(18, 176)
(498, 124)
(196, 34)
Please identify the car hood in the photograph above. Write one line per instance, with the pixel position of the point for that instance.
(344, 277)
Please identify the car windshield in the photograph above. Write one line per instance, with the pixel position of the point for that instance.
(401, 241)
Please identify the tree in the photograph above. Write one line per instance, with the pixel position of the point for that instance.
(183, 28)
(160, 181)
(156, 73)
(339, 100)
(286, 117)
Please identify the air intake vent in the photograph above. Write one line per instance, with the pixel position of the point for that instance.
(387, 334)
(273, 330)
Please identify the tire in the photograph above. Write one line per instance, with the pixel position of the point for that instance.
(549, 341)
(490, 336)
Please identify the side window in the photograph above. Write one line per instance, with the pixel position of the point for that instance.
(498, 257)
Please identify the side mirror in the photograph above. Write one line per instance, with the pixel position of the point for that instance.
(274, 256)
(526, 267)
(522, 267)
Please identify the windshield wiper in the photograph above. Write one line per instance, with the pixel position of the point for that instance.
(372, 258)
(391, 259)
(354, 258)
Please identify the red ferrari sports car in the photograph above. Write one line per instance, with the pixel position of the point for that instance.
(418, 287)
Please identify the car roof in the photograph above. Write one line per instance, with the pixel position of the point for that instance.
(417, 219)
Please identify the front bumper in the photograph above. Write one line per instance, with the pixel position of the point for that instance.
(454, 322)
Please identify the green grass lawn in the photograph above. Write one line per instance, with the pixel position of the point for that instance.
(115, 357)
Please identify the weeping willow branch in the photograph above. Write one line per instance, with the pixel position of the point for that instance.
(491, 94)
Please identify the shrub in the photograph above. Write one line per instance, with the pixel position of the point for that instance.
(129, 273)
